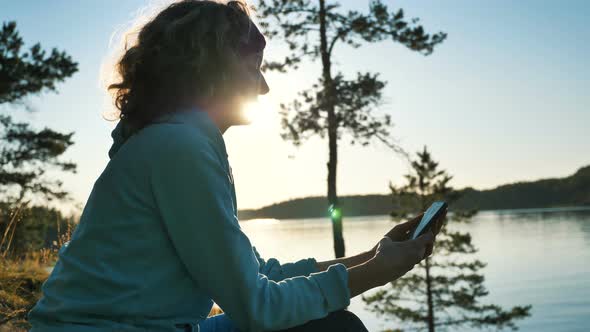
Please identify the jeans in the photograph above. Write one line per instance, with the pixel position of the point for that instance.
(341, 320)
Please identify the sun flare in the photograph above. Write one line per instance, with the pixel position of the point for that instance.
(259, 111)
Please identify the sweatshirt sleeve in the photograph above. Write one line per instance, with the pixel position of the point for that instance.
(276, 271)
(192, 193)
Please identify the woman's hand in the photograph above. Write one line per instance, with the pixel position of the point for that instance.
(393, 259)
(403, 231)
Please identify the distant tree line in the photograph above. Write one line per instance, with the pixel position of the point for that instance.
(31, 229)
(314, 207)
(573, 190)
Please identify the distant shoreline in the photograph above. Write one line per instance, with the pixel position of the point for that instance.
(501, 211)
(544, 209)
(558, 193)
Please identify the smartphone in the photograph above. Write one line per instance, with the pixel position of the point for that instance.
(433, 212)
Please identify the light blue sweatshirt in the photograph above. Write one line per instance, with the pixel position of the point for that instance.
(159, 240)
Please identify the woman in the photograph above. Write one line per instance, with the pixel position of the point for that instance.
(159, 240)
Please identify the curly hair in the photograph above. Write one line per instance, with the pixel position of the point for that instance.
(188, 52)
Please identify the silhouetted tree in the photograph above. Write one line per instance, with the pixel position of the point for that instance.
(335, 105)
(445, 291)
(25, 153)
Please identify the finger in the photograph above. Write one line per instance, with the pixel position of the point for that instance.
(420, 246)
(443, 215)
(410, 224)
(385, 240)
(401, 232)
(428, 250)
(439, 222)
(421, 254)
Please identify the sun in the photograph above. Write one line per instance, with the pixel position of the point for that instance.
(259, 112)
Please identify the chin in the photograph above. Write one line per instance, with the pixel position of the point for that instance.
(238, 118)
(236, 114)
(243, 121)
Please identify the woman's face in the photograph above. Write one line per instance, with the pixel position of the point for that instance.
(255, 83)
(250, 83)
(247, 81)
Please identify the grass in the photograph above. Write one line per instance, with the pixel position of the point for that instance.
(20, 288)
(21, 276)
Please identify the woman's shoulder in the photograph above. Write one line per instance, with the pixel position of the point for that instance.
(172, 138)
(169, 144)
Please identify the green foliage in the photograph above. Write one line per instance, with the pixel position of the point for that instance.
(28, 72)
(295, 20)
(429, 183)
(354, 100)
(27, 154)
(445, 291)
(307, 115)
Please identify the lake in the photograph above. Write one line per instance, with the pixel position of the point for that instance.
(539, 257)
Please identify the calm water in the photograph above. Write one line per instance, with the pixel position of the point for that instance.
(538, 257)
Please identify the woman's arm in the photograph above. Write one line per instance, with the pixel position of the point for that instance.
(392, 260)
(400, 232)
(192, 193)
(347, 261)
(363, 277)
(276, 271)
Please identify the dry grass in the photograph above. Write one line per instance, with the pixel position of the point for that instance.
(20, 288)
(21, 278)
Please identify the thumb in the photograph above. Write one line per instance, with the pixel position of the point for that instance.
(384, 240)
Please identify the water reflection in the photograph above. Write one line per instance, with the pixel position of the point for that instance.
(537, 257)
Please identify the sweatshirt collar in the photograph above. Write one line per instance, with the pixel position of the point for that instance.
(195, 117)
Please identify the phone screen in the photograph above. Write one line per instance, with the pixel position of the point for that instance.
(433, 211)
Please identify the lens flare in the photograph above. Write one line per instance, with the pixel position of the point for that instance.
(258, 111)
(335, 213)
(251, 111)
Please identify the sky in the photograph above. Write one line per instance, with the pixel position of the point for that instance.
(505, 98)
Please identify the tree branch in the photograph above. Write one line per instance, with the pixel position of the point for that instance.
(340, 34)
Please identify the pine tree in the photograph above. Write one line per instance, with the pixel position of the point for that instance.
(25, 153)
(336, 105)
(445, 290)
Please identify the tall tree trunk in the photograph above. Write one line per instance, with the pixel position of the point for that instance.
(336, 216)
(429, 296)
(430, 318)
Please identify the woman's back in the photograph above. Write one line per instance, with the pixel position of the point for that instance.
(120, 264)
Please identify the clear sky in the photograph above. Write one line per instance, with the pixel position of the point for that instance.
(504, 98)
